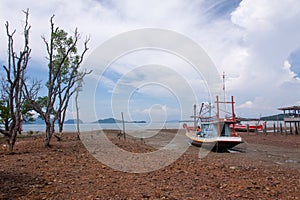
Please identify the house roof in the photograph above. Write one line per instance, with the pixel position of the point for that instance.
(290, 108)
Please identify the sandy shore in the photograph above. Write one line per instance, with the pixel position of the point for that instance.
(264, 167)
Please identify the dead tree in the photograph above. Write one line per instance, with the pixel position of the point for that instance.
(15, 76)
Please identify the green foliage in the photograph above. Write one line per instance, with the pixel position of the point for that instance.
(4, 112)
(42, 101)
(26, 107)
(65, 57)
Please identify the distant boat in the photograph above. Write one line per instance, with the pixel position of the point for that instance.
(244, 127)
(215, 133)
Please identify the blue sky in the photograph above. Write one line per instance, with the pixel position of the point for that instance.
(255, 42)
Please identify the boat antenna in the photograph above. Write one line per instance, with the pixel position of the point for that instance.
(223, 78)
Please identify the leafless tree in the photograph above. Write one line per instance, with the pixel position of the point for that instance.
(78, 89)
(66, 92)
(14, 83)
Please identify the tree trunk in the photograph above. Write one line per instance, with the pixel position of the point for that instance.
(59, 135)
(60, 130)
(12, 141)
(6, 124)
(77, 115)
(48, 134)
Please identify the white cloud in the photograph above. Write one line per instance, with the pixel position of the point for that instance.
(161, 113)
(264, 15)
(252, 45)
(247, 104)
(269, 31)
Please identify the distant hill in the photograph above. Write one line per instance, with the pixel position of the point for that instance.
(41, 121)
(108, 121)
(73, 121)
(278, 117)
(35, 121)
(173, 121)
(113, 121)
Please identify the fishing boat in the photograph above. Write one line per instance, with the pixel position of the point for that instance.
(214, 132)
(244, 127)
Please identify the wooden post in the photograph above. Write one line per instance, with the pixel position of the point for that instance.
(274, 128)
(281, 132)
(285, 128)
(248, 129)
(232, 109)
(123, 123)
(265, 128)
(256, 129)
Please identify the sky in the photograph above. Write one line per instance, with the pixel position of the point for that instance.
(255, 42)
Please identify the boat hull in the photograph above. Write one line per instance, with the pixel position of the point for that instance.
(218, 144)
(243, 128)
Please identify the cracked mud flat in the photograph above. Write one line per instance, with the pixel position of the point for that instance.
(264, 167)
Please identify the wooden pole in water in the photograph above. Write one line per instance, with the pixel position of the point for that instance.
(123, 123)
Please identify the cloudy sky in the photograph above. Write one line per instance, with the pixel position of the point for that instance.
(255, 42)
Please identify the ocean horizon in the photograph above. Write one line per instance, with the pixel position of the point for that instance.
(119, 126)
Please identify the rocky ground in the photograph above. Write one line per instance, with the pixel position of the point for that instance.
(264, 167)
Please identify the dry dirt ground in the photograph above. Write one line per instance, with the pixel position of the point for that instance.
(264, 167)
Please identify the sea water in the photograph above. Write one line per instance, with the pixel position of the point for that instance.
(113, 126)
(119, 126)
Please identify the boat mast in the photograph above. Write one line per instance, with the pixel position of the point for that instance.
(195, 116)
(233, 116)
(218, 116)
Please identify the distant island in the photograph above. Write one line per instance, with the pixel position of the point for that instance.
(37, 120)
(73, 121)
(113, 121)
(278, 117)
